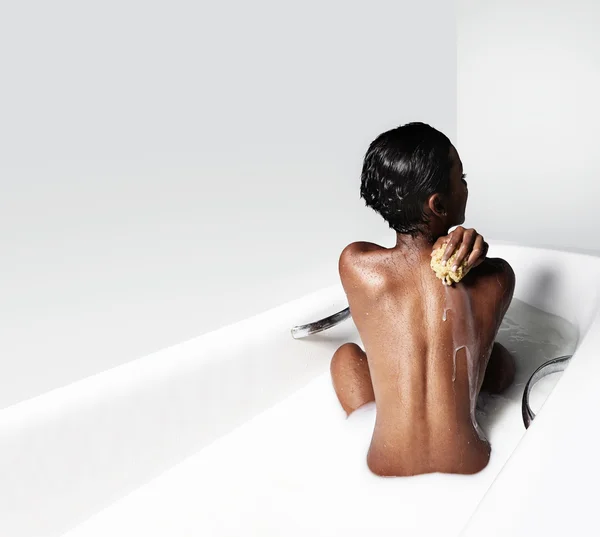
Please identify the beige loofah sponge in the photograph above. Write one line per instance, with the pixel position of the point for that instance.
(445, 272)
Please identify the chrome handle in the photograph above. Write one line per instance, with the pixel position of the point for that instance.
(551, 366)
(315, 327)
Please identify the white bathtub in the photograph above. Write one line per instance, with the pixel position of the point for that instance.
(94, 450)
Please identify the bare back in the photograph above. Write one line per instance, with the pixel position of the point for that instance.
(427, 348)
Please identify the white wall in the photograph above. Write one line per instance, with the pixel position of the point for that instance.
(170, 167)
(528, 119)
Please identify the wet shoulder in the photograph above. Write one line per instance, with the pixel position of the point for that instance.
(362, 262)
(496, 275)
(495, 266)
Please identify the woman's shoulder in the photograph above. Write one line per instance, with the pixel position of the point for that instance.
(361, 262)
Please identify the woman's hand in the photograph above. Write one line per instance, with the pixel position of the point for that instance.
(469, 243)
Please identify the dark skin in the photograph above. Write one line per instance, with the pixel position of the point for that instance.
(424, 372)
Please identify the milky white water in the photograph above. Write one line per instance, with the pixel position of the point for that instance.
(300, 469)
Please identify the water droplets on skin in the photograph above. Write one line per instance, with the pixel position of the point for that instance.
(445, 315)
(454, 360)
(464, 337)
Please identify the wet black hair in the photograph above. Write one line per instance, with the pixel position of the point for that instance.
(402, 168)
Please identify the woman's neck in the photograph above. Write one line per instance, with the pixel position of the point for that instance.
(419, 241)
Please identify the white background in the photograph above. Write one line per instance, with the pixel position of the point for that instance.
(170, 167)
(528, 117)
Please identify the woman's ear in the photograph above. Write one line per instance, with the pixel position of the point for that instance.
(436, 205)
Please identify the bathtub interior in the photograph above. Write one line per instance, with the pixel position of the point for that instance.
(561, 283)
(300, 466)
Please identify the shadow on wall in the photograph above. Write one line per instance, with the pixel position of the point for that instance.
(545, 284)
